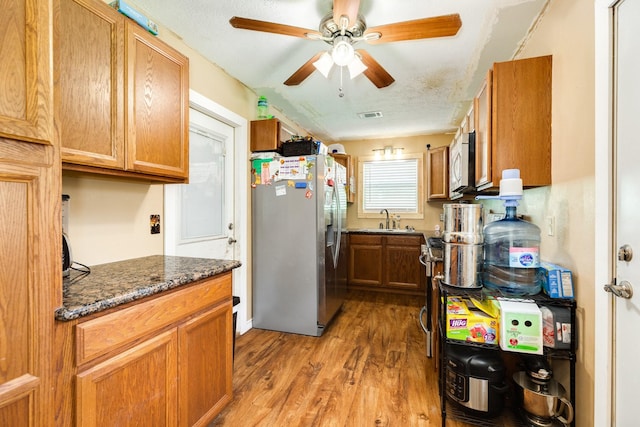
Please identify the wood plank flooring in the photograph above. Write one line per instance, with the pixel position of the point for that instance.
(368, 369)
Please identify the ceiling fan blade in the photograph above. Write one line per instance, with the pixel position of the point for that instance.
(270, 27)
(304, 71)
(348, 8)
(437, 26)
(374, 72)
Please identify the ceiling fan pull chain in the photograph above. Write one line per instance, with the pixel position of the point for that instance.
(340, 91)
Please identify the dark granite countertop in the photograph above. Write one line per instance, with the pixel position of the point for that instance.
(112, 284)
(435, 254)
(400, 232)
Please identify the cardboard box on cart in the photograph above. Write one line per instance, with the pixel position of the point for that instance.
(467, 322)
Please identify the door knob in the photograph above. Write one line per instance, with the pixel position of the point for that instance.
(623, 290)
(232, 240)
(625, 253)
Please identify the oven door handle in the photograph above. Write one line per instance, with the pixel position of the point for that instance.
(423, 261)
(424, 311)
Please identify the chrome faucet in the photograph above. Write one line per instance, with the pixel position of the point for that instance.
(387, 222)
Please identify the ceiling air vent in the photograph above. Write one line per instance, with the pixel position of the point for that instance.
(370, 115)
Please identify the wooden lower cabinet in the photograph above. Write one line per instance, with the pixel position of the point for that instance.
(137, 387)
(386, 262)
(165, 361)
(365, 260)
(205, 376)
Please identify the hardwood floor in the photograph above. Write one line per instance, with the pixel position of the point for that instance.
(368, 369)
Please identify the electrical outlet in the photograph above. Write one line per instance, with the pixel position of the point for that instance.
(551, 225)
(154, 223)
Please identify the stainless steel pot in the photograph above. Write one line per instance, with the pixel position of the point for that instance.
(462, 223)
(462, 265)
(544, 399)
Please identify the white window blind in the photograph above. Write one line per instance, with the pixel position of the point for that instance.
(390, 184)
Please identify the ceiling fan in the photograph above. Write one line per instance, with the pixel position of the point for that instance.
(342, 29)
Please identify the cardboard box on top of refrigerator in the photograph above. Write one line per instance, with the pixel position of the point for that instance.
(557, 281)
(126, 9)
(466, 322)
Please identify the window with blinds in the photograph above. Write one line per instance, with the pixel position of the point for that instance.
(391, 184)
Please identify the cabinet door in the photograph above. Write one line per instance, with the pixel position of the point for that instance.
(471, 124)
(349, 163)
(134, 388)
(402, 268)
(438, 173)
(365, 260)
(157, 106)
(482, 121)
(206, 363)
(26, 111)
(90, 84)
(265, 135)
(30, 275)
(521, 120)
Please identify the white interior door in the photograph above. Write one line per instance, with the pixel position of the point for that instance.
(626, 311)
(200, 215)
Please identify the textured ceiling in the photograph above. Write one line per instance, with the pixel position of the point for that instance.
(435, 79)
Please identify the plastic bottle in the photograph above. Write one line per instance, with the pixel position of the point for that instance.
(511, 245)
(263, 108)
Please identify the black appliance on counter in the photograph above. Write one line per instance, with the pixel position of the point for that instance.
(475, 380)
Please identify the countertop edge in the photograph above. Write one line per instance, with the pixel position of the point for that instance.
(76, 311)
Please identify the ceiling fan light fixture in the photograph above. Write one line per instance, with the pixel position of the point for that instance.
(342, 52)
(324, 64)
(356, 67)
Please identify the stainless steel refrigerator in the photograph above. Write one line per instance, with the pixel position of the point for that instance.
(299, 269)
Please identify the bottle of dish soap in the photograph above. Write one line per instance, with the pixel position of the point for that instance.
(511, 245)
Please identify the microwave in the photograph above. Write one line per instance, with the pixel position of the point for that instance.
(462, 161)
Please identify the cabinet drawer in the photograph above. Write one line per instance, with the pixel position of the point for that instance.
(104, 334)
(365, 239)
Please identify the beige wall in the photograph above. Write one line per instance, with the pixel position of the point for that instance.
(411, 145)
(566, 32)
(109, 218)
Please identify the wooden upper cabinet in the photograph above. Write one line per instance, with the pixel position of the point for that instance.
(482, 113)
(265, 135)
(93, 99)
(520, 120)
(90, 84)
(438, 173)
(26, 111)
(349, 163)
(157, 106)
